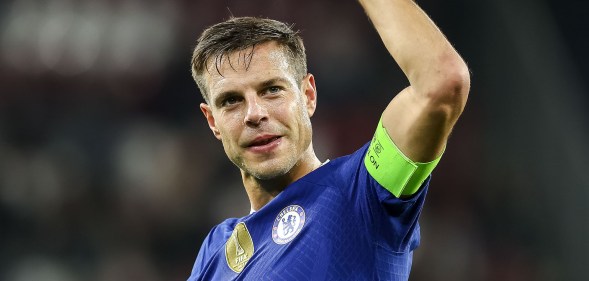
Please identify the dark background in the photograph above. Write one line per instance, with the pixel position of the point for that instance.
(109, 172)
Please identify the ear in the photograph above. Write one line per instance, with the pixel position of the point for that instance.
(206, 110)
(310, 93)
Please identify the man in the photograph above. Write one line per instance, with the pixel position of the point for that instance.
(352, 218)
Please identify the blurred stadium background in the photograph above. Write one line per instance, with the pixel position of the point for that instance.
(108, 171)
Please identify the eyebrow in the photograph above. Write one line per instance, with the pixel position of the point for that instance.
(273, 81)
(220, 97)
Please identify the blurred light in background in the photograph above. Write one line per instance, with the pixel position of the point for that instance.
(103, 37)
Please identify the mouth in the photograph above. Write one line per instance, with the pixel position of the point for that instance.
(264, 143)
(264, 140)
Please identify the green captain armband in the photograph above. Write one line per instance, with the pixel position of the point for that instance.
(392, 169)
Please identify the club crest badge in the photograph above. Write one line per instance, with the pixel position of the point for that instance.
(239, 249)
(288, 224)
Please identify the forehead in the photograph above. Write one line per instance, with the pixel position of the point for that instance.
(248, 66)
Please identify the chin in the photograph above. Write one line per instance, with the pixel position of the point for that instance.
(268, 171)
(268, 175)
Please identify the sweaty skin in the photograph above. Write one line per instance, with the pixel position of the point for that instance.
(261, 114)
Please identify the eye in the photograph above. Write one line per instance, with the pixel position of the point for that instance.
(230, 101)
(273, 89)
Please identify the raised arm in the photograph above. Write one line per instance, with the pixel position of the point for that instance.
(420, 118)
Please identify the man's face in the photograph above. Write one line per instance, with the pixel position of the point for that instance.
(260, 111)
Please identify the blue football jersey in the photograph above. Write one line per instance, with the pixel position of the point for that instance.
(335, 223)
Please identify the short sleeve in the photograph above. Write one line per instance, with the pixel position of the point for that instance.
(392, 221)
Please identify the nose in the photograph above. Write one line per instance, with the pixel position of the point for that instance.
(256, 112)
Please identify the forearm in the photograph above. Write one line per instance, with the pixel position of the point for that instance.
(426, 57)
(420, 118)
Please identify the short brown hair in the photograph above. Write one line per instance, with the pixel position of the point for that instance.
(241, 33)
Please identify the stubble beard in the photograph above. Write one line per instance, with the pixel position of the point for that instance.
(278, 167)
(268, 171)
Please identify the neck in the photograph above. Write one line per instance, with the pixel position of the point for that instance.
(260, 192)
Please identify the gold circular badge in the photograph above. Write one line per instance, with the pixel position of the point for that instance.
(239, 248)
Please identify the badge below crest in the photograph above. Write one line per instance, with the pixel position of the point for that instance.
(288, 224)
(239, 249)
